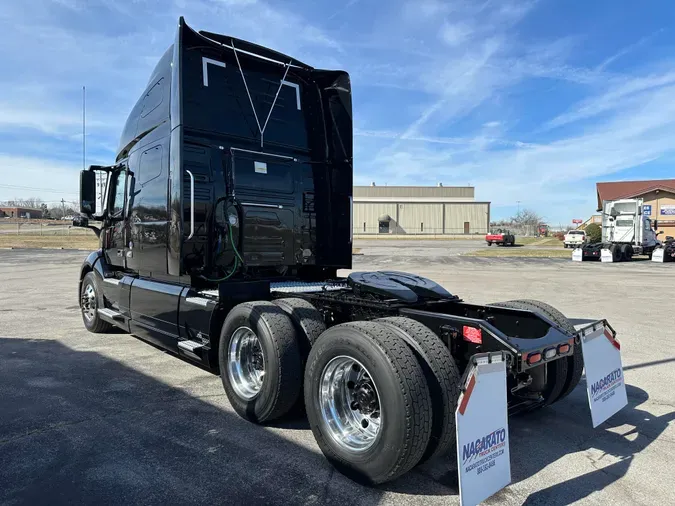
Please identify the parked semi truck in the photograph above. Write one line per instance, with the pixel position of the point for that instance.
(226, 217)
(665, 252)
(626, 231)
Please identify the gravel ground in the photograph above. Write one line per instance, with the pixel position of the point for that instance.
(110, 419)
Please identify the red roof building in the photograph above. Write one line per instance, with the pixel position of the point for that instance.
(632, 189)
(658, 197)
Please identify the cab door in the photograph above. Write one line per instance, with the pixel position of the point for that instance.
(116, 234)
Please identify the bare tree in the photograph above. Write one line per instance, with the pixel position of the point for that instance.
(527, 221)
(31, 203)
(527, 217)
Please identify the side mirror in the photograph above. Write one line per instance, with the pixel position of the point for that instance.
(659, 233)
(88, 193)
(656, 224)
(80, 221)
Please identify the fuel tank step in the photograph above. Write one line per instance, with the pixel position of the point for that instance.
(111, 315)
(191, 348)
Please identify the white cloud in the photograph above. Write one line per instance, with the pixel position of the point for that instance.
(455, 34)
(623, 90)
(41, 173)
(539, 174)
(624, 51)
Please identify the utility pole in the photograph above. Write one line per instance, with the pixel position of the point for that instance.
(84, 127)
(63, 207)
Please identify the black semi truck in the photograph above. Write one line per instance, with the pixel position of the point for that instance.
(225, 220)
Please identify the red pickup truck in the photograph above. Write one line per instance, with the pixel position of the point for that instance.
(501, 238)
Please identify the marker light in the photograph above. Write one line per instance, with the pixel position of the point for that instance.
(472, 335)
(534, 358)
(550, 353)
(563, 348)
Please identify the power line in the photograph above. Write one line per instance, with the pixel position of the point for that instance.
(32, 188)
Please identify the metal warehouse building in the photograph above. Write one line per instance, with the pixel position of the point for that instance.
(419, 210)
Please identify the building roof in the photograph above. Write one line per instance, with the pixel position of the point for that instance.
(422, 192)
(629, 189)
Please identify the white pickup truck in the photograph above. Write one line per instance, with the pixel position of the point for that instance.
(575, 238)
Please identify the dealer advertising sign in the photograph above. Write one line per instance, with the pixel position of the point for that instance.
(668, 210)
(483, 457)
(604, 374)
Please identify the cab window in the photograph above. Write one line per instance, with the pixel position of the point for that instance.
(120, 192)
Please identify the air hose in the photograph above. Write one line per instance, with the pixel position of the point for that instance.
(238, 260)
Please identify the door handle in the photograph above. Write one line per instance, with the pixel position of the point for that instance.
(192, 204)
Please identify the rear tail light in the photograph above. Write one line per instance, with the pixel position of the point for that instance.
(550, 353)
(472, 335)
(534, 358)
(563, 348)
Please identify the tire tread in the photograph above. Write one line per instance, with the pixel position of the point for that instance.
(443, 379)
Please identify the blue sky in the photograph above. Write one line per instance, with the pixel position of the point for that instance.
(530, 101)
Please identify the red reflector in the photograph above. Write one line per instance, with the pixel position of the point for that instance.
(472, 334)
(612, 339)
(533, 358)
(563, 348)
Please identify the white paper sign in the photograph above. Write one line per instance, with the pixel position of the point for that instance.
(658, 255)
(606, 255)
(483, 457)
(604, 374)
(578, 255)
(260, 167)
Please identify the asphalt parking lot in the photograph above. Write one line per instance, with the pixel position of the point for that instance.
(88, 418)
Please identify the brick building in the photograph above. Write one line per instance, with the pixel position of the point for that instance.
(658, 196)
(20, 212)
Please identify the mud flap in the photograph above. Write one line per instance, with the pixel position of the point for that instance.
(605, 384)
(483, 457)
(658, 255)
(578, 255)
(606, 255)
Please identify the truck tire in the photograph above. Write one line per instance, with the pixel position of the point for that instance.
(627, 252)
(309, 325)
(307, 319)
(91, 298)
(564, 375)
(616, 253)
(367, 402)
(260, 361)
(442, 377)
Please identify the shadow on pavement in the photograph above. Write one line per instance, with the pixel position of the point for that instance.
(77, 427)
(567, 429)
(80, 427)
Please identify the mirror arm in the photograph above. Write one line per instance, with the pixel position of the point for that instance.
(96, 230)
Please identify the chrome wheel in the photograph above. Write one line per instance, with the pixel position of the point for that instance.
(89, 302)
(245, 363)
(350, 404)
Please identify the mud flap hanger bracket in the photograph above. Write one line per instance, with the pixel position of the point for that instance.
(585, 327)
(482, 359)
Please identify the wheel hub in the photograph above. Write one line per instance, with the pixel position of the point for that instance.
(350, 405)
(246, 363)
(365, 398)
(88, 302)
